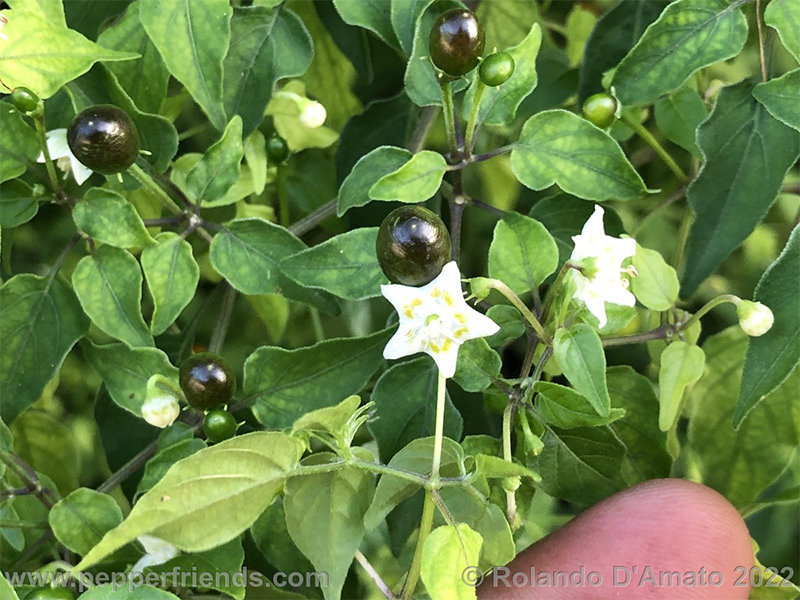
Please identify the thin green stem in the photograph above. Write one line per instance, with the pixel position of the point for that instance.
(520, 306)
(761, 41)
(151, 186)
(449, 117)
(62, 257)
(683, 237)
(651, 141)
(24, 524)
(426, 120)
(552, 291)
(511, 497)
(316, 323)
(310, 221)
(41, 132)
(223, 321)
(283, 196)
(674, 197)
(659, 333)
(439, 430)
(722, 299)
(192, 131)
(469, 141)
(425, 525)
(373, 574)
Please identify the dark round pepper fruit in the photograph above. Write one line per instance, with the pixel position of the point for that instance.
(24, 100)
(103, 138)
(51, 593)
(206, 381)
(219, 425)
(277, 149)
(456, 42)
(599, 109)
(413, 245)
(496, 69)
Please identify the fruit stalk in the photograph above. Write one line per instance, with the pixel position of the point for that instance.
(469, 141)
(651, 141)
(38, 121)
(449, 117)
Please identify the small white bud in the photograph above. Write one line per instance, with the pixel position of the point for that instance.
(161, 411)
(755, 318)
(313, 115)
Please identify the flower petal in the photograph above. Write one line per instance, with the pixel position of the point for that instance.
(399, 345)
(446, 360)
(80, 172)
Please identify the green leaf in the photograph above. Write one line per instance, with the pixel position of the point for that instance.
(18, 204)
(612, 37)
(145, 80)
(192, 38)
(656, 283)
(48, 446)
(109, 287)
(565, 408)
(682, 365)
(172, 275)
(416, 457)
(50, 10)
(108, 217)
(324, 516)
(224, 561)
(332, 419)
(219, 168)
(40, 321)
(494, 467)
(374, 15)
(522, 253)
(288, 383)
(126, 371)
(477, 365)
(772, 357)
(18, 144)
(580, 355)
(781, 97)
(69, 54)
(404, 16)
(556, 146)
(736, 185)
(448, 553)
(784, 17)
(580, 465)
(266, 46)
(82, 518)
(228, 484)
(416, 181)
(579, 25)
(175, 443)
(739, 464)
(345, 265)
(499, 104)
(512, 325)
(689, 35)
(679, 115)
(367, 171)
(405, 406)
(111, 591)
(646, 456)
(6, 589)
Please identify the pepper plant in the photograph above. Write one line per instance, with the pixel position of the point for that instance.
(385, 290)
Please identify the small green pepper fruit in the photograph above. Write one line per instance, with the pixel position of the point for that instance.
(24, 100)
(277, 149)
(413, 245)
(51, 593)
(219, 425)
(103, 138)
(496, 69)
(600, 109)
(456, 42)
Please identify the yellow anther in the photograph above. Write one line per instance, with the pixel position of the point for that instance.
(448, 299)
(434, 348)
(461, 318)
(446, 345)
(459, 332)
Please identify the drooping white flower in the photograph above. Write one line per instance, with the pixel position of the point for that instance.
(435, 319)
(161, 410)
(601, 280)
(59, 151)
(313, 114)
(755, 318)
(157, 552)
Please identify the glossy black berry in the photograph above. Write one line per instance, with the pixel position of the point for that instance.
(51, 593)
(413, 245)
(24, 100)
(103, 138)
(600, 109)
(219, 425)
(277, 149)
(206, 381)
(496, 69)
(456, 42)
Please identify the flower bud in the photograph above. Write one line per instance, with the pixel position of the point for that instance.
(479, 287)
(755, 318)
(161, 410)
(511, 484)
(313, 114)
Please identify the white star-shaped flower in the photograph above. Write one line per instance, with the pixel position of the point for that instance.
(59, 151)
(435, 319)
(161, 410)
(602, 278)
(157, 552)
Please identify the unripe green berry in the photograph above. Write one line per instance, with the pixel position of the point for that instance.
(277, 149)
(496, 69)
(24, 100)
(600, 109)
(219, 425)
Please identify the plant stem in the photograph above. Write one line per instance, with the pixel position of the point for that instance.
(223, 321)
(147, 183)
(316, 323)
(161, 221)
(487, 207)
(469, 141)
(511, 497)
(520, 306)
(491, 154)
(456, 216)
(313, 219)
(24, 524)
(552, 291)
(62, 257)
(129, 468)
(283, 196)
(674, 197)
(659, 333)
(192, 131)
(449, 117)
(761, 42)
(651, 141)
(38, 121)
(29, 478)
(722, 299)
(683, 237)
(439, 431)
(426, 522)
(373, 574)
(426, 120)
